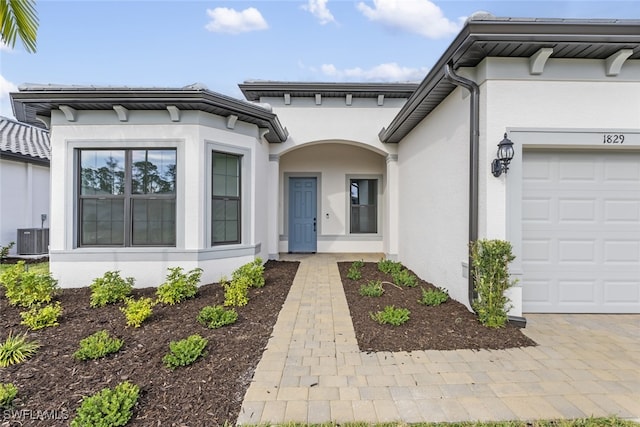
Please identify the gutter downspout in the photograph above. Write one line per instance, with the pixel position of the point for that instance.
(474, 150)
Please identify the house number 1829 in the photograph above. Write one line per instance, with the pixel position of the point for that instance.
(609, 138)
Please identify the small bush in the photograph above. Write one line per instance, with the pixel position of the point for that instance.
(16, 349)
(137, 311)
(391, 316)
(236, 292)
(179, 286)
(372, 289)
(214, 317)
(97, 345)
(4, 250)
(253, 271)
(387, 266)
(41, 317)
(108, 408)
(110, 288)
(404, 278)
(490, 259)
(25, 288)
(354, 272)
(7, 393)
(184, 352)
(433, 297)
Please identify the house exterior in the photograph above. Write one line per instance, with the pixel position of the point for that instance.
(24, 184)
(153, 178)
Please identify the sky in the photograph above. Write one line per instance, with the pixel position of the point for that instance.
(175, 43)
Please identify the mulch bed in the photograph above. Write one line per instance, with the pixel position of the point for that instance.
(449, 326)
(206, 393)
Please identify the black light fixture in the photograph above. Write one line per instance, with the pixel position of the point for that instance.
(504, 156)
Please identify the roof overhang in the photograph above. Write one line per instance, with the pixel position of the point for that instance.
(486, 36)
(258, 89)
(33, 102)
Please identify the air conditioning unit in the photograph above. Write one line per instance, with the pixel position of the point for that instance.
(33, 241)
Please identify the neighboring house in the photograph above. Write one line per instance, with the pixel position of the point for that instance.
(24, 184)
(153, 178)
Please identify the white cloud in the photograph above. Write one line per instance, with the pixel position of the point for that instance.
(389, 72)
(415, 16)
(5, 47)
(231, 21)
(319, 9)
(5, 104)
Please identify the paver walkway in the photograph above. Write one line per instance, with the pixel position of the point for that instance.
(312, 370)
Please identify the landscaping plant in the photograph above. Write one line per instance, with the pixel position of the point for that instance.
(354, 272)
(373, 288)
(387, 266)
(4, 250)
(110, 288)
(490, 260)
(433, 297)
(184, 352)
(404, 278)
(253, 271)
(7, 393)
(391, 316)
(38, 317)
(236, 292)
(179, 286)
(137, 310)
(16, 349)
(108, 408)
(97, 345)
(25, 288)
(214, 317)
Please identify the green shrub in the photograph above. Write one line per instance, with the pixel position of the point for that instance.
(110, 288)
(253, 271)
(7, 393)
(25, 288)
(16, 349)
(108, 408)
(387, 266)
(391, 316)
(184, 352)
(236, 292)
(490, 259)
(373, 288)
(4, 250)
(41, 317)
(97, 345)
(354, 272)
(404, 278)
(137, 311)
(434, 297)
(214, 317)
(179, 286)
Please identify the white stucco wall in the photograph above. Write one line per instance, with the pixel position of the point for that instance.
(334, 163)
(24, 196)
(194, 137)
(433, 163)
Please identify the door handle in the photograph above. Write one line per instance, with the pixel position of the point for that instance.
(314, 225)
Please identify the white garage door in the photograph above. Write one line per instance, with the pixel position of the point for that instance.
(581, 232)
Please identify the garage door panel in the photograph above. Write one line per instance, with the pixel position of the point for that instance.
(626, 211)
(581, 232)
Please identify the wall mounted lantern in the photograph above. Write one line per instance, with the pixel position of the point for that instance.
(504, 156)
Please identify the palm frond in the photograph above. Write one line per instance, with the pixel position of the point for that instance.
(18, 18)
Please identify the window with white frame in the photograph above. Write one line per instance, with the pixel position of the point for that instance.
(127, 197)
(364, 206)
(226, 217)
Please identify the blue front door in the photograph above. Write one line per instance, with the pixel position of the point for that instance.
(302, 215)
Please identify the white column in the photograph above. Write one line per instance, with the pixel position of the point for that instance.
(272, 206)
(392, 199)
